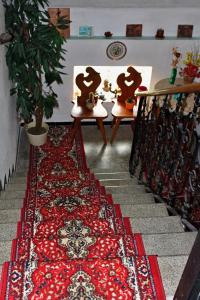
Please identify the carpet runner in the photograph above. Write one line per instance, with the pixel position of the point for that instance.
(72, 241)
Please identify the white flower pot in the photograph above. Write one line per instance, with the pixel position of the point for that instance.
(37, 140)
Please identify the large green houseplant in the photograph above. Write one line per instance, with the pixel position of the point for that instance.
(34, 57)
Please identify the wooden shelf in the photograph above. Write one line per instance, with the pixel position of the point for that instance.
(76, 37)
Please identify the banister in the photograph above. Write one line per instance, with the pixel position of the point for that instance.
(166, 147)
(187, 88)
(165, 156)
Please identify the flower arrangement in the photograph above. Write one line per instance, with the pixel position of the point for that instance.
(192, 64)
(91, 101)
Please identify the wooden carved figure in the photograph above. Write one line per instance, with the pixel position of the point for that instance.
(85, 89)
(128, 91)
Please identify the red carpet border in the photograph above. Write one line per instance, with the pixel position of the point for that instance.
(72, 241)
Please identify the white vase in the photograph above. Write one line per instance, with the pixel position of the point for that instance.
(39, 139)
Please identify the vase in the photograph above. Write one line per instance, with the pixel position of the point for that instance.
(129, 105)
(173, 76)
(188, 79)
(39, 139)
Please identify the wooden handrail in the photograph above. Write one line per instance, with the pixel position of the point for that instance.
(187, 88)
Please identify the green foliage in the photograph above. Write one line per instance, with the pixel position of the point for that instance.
(34, 55)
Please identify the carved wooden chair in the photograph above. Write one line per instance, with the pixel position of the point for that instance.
(80, 110)
(127, 85)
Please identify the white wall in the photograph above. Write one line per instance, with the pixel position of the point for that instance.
(128, 3)
(115, 19)
(8, 123)
(140, 52)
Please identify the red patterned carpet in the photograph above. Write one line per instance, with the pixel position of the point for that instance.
(72, 241)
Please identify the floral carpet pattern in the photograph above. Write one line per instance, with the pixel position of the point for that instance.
(72, 242)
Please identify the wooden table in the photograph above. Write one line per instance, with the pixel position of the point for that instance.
(98, 113)
(120, 112)
(164, 83)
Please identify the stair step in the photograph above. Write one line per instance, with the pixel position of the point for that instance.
(171, 268)
(23, 170)
(8, 231)
(11, 203)
(15, 187)
(144, 210)
(126, 189)
(9, 216)
(118, 182)
(118, 169)
(157, 225)
(23, 164)
(5, 247)
(169, 244)
(133, 199)
(15, 180)
(12, 195)
(20, 173)
(116, 175)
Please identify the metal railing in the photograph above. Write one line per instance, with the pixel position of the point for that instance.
(166, 147)
(166, 158)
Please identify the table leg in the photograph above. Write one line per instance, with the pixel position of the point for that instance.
(75, 127)
(115, 128)
(113, 122)
(102, 129)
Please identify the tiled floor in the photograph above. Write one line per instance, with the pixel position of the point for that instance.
(110, 157)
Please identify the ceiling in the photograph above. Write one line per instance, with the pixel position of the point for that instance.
(127, 3)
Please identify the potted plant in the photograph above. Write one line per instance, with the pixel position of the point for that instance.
(130, 102)
(33, 58)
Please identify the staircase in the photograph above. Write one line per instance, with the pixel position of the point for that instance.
(163, 234)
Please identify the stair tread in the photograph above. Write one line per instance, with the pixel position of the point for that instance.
(134, 199)
(8, 231)
(109, 171)
(5, 247)
(144, 210)
(20, 173)
(116, 175)
(11, 203)
(167, 244)
(12, 195)
(126, 189)
(18, 179)
(97, 170)
(119, 182)
(9, 216)
(15, 187)
(171, 268)
(157, 225)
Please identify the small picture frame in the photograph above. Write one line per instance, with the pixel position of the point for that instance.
(184, 31)
(62, 12)
(85, 31)
(134, 30)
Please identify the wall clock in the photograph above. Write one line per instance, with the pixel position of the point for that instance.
(116, 50)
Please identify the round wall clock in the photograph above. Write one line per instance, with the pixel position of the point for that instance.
(116, 50)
